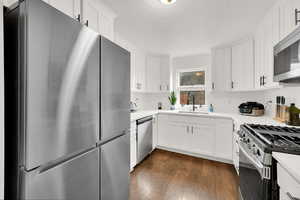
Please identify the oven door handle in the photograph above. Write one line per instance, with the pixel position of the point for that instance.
(291, 197)
(257, 164)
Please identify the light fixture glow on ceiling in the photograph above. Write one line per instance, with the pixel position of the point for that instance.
(167, 1)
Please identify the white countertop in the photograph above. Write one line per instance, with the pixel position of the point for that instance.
(237, 118)
(291, 163)
(141, 114)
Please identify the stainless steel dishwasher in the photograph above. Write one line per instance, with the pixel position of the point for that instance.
(144, 138)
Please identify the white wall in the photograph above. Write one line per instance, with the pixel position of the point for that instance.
(1, 106)
(189, 62)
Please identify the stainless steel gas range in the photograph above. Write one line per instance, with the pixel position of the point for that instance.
(257, 169)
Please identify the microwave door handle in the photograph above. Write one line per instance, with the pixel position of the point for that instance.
(299, 52)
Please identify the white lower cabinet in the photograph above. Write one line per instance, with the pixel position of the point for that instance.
(289, 187)
(171, 132)
(154, 135)
(211, 137)
(235, 151)
(224, 135)
(201, 136)
(133, 145)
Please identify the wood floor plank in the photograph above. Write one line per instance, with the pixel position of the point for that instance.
(171, 176)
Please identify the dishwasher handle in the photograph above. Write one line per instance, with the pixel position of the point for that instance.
(144, 120)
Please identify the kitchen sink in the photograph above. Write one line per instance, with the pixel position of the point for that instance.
(194, 112)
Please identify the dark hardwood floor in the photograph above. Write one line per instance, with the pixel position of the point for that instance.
(171, 176)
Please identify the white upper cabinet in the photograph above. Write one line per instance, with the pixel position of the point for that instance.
(138, 71)
(69, 7)
(243, 65)
(9, 2)
(157, 74)
(266, 37)
(288, 16)
(233, 66)
(221, 69)
(153, 74)
(106, 25)
(90, 15)
(165, 73)
(99, 18)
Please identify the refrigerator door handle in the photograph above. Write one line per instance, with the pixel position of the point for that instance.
(52, 164)
(102, 142)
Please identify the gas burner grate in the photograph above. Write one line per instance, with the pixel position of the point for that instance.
(276, 136)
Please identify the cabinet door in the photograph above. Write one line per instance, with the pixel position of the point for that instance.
(132, 145)
(224, 137)
(259, 56)
(266, 37)
(165, 73)
(140, 71)
(106, 26)
(155, 131)
(221, 69)
(201, 139)
(171, 133)
(271, 39)
(288, 16)
(243, 65)
(90, 15)
(65, 6)
(153, 74)
(9, 2)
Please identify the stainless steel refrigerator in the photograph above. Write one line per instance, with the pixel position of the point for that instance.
(67, 94)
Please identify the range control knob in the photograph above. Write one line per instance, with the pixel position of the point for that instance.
(254, 149)
(258, 152)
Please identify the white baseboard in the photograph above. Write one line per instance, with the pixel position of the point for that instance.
(196, 155)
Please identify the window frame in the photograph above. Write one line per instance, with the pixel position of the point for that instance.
(192, 87)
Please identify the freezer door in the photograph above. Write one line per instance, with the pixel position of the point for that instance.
(61, 84)
(115, 166)
(76, 179)
(115, 89)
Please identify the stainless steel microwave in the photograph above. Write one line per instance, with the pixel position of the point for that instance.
(287, 59)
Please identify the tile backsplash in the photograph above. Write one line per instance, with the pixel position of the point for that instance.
(226, 102)
(149, 101)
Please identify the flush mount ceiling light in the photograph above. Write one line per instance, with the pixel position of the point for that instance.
(167, 2)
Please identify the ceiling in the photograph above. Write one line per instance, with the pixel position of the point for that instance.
(188, 26)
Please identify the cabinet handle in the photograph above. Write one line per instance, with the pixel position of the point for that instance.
(138, 86)
(213, 86)
(78, 17)
(187, 129)
(87, 23)
(232, 84)
(291, 197)
(160, 87)
(192, 130)
(297, 20)
(260, 81)
(263, 80)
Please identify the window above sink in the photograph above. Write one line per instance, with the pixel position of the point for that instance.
(191, 84)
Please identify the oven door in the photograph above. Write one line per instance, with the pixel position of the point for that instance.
(252, 184)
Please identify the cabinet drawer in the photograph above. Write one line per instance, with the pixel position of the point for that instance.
(287, 183)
